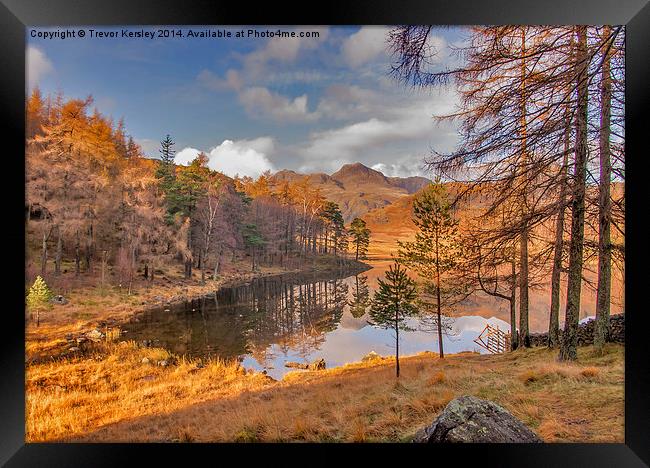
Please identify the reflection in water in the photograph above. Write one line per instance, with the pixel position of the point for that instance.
(304, 317)
(360, 296)
(269, 316)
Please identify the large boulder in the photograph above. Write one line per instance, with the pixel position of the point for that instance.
(470, 419)
(60, 300)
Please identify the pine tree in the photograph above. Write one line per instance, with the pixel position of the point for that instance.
(166, 174)
(360, 235)
(393, 303)
(435, 250)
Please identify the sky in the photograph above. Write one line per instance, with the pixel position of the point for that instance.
(309, 104)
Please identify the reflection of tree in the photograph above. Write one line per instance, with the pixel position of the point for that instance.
(293, 316)
(360, 297)
(428, 307)
(294, 313)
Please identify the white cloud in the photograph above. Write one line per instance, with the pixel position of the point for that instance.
(259, 101)
(186, 156)
(242, 157)
(38, 65)
(411, 165)
(282, 50)
(349, 140)
(232, 80)
(365, 45)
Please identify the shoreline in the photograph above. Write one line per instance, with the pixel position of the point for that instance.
(63, 324)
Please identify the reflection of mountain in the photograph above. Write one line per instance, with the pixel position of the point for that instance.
(358, 189)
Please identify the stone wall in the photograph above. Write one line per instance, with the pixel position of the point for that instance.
(586, 332)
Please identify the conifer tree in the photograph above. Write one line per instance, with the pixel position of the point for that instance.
(393, 303)
(360, 235)
(435, 250)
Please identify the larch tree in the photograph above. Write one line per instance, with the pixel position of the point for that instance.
(603, 299)
(568, 347)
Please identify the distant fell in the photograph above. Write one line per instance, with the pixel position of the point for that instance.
(358, 189)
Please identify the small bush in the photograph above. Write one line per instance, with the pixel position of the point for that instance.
(438, 378)
(590, 372)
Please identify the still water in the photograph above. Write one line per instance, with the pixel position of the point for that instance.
(272, 320)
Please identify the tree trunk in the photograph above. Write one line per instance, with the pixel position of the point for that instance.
(568, 348)
(217, 266)
(523, 260)
(46, 236)
(77, 255)
(89, 246)
(397, 343)
(59, 252)
(104, 253)
(440, 346)
(554, 318)
(188, 260)
(514, 337)
(523, 291)
(601, 328)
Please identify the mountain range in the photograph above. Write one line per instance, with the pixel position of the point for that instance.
(358, 189)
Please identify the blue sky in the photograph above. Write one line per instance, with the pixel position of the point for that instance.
(307, 104)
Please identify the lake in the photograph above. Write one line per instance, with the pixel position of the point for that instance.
(303, 317)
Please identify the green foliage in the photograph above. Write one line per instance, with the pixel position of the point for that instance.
(360, 296)
(360, 235)
(436, 247)
(394, 300)
(331, 214)
(39, 293)
(252, 236)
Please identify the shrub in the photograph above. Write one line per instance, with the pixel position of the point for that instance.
(39, 293)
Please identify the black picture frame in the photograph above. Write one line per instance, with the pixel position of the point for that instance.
(17, 15)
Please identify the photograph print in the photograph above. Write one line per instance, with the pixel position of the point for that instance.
(325, 233)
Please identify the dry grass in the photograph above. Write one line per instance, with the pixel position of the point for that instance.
(69, 398)
(117, 398)
(90, 304)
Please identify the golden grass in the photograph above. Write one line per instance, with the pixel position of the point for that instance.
(71, 397)
(114, 397)
(89, 305)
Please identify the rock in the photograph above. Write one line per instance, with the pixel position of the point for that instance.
(94, 335)
(371, 356)
(81, 339)
(318, 364)
(468, 419)
(163, 363)
(296, 365)
(59, 300)
(73, 349)
(145, 360)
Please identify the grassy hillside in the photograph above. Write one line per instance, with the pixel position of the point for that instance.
(114, 396)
